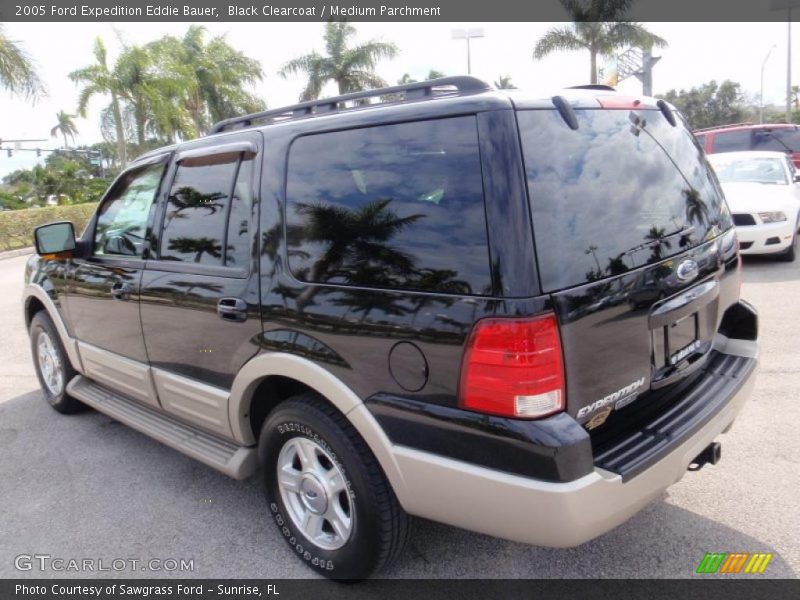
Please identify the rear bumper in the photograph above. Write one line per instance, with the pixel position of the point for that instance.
(552, 513)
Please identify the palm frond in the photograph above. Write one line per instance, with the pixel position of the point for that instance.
(17, 70)
(556, 39)
(633, 34)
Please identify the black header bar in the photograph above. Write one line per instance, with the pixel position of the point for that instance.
(380, 10)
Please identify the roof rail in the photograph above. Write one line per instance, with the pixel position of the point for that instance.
(746, 123)
(593, 86)
(445, 86)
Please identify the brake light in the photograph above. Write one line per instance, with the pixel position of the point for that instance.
(513, 367)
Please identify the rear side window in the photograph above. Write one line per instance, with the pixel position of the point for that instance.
(623, 190)
(732, 141)
(394, 206)
(780, 139)
(208, 211)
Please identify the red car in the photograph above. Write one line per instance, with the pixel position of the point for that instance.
(778, 137)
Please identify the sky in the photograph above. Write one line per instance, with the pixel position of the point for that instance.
(697, 53)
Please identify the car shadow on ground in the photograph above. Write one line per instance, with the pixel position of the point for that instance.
(87, 486)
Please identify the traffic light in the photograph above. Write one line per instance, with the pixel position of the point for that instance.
(38, 152)
(10, 153)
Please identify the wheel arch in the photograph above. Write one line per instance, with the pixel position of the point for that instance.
(291, 370)
(36, 299)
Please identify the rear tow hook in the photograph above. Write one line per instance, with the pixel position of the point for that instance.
(711, 455)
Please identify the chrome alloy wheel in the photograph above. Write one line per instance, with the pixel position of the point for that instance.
(315, 494)
(50, 364)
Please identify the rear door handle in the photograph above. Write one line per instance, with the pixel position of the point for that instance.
(232, 309)
(121, 291)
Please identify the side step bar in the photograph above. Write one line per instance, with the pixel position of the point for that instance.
(235, 461)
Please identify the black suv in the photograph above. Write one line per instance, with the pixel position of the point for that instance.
(515, 314)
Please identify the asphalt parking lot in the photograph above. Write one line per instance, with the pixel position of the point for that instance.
(86, 487)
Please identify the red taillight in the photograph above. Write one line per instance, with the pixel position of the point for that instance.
(513, 367)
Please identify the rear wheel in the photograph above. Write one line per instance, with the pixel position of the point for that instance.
(327, 493)
(52, 365)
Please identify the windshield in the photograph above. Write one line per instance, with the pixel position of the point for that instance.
(623, 190)
(751, 170)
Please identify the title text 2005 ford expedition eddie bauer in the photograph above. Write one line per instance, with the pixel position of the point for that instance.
(512, 314)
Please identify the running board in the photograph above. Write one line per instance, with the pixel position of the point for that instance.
(235, 461)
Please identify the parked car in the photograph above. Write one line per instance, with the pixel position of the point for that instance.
(763, 194)
(741, 137)
(398, 308)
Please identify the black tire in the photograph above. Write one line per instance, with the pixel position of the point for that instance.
(379, 526)
(42, 325)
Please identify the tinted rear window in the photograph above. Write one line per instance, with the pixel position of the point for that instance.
(732, 141)
(200, 209)
(782, 139)
(394, 206)
(623, 190)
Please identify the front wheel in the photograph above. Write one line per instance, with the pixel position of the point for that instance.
(327, 493)
(52, 365)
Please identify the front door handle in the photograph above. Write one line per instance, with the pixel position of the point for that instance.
(232, 309)
(121, 291)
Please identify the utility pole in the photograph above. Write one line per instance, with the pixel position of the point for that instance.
(789, 65)
(761, 97)
(638, 62)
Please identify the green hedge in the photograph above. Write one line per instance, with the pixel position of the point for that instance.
(16, 226)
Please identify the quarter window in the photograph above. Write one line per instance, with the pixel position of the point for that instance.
(394, 206)
(208, 211)
(122, 219)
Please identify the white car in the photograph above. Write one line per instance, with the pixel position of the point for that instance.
(764, 197)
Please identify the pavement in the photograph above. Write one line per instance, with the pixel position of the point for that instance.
(85, 487)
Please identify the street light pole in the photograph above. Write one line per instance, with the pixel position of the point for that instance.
(761, 97)
(789, 66)
(468, 34)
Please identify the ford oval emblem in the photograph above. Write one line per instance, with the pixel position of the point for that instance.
(687, 270)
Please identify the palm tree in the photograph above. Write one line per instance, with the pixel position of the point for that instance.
(504, 83)
(696, 209)
(657, 237)
(65, 126)
(599, 26)
(198, 246)
(17, 72)
(352, 68)
(98, 79)
(432, 74)
(210, 76)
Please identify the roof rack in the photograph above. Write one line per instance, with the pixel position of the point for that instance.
(593, 86)
(445, 86)
(746, 123)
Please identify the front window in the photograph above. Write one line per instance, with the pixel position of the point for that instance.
(122, 219)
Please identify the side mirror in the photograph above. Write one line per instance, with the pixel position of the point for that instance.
(54, 239)
(797, 177)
